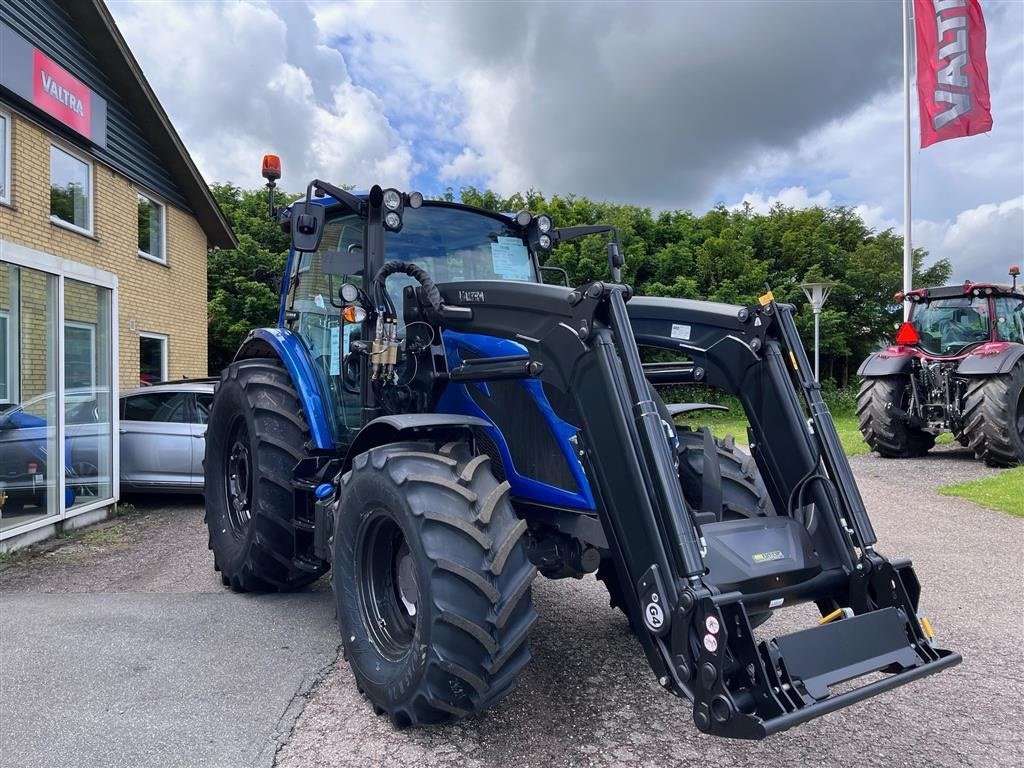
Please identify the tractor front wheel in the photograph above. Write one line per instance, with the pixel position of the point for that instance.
(994, 418)
(255, 437)
(884, 430)
(431, 581)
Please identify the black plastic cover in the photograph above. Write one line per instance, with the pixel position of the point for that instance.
(760, 554)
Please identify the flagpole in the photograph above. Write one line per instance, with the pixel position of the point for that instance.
(908, 249)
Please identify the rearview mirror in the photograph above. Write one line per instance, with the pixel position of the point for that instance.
(307, 226)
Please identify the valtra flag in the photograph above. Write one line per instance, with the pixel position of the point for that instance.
(952, 74)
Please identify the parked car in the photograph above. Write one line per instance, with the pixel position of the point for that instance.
(25, 431)
(163, 436)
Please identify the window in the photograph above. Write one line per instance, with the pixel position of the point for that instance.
(151, 230)
(152, 358)
(1010, 319)
(168, 407)
(948, 325)
(204, 402)
(5, 354)
(79, 355)
(70, 190)
(5, 158)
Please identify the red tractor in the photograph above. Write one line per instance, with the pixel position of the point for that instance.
(957, 365)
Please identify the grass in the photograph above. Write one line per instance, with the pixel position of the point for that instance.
(728, 424)
(1004, 491)
(723, 424)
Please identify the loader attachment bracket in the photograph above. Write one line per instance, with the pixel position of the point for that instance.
(749, 689)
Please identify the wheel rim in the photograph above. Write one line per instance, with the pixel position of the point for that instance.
(238, 480)
(388, 589)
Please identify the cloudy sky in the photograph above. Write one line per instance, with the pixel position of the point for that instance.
(667, 105)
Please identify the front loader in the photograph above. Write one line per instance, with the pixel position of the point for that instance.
(436, 426)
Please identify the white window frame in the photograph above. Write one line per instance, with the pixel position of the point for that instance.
(5, 150)
(92, 186)
(6, 316)
(160, 258)
(61, 268)
(91, 327)
(163, 337)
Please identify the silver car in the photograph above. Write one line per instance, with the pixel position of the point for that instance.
(163, 436)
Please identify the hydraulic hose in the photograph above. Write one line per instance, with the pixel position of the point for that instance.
(430, 291)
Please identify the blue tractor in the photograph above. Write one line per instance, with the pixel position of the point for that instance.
(435, 425)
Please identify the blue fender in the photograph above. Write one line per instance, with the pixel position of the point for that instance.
(288, 347)
(991, 359)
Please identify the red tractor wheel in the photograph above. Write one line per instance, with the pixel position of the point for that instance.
(884, 430)
(994, 418)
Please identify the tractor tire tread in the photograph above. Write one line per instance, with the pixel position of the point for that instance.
(475, 555)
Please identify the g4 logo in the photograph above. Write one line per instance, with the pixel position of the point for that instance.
(653, 616)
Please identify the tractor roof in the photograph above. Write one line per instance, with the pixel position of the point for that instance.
(965, 289)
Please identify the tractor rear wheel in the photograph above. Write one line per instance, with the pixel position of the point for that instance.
(255, 436)
(884, 431)
(431, 581)
(994, 418)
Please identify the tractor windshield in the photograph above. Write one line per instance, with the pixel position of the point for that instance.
(946, 326)
(454, 244)
(451, 243)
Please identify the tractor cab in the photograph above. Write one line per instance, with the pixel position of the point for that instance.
(953, 321)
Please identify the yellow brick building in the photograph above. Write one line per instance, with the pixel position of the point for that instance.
(105, 224)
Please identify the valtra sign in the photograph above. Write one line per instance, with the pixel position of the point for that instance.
(952, 74)
(59, 93)
(30, 74)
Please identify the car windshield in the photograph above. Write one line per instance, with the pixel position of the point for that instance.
(948, 325)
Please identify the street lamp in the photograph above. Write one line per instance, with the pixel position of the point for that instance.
(816, 294)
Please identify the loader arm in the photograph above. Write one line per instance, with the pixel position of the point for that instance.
(694, 587)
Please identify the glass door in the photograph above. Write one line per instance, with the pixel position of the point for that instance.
(30, 461)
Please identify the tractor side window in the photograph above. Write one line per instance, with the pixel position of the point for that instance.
(315, 301)
(1010, 319)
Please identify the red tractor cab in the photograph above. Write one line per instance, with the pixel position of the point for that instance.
(958, 365)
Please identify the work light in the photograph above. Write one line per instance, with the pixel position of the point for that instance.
(392, 221)
(392, 199)
(544, 225)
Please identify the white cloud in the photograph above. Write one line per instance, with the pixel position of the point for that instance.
(667, 105)
(790, 197)
(983, 242)
(238, 80)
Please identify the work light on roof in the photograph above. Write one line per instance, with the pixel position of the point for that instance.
(544, 241)
(415, 199)
(544, 225)
(392, 199)
(392, 221)
(523, 218)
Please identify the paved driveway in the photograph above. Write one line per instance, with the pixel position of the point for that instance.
(128, 651)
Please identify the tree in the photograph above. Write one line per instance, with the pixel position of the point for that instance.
(242, 284)
(723, 255)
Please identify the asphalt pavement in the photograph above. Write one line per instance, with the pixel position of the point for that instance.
(122, 648)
